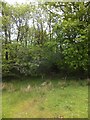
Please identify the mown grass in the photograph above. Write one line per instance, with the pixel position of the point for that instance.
(29, 98)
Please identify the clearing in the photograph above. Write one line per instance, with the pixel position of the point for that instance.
(35, 98)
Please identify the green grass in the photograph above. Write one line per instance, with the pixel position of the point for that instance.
(68, 99)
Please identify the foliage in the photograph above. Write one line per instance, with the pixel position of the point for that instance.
(44, 38)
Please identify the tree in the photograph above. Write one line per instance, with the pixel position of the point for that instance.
(45, 37)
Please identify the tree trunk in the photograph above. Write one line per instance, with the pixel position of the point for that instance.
(6, 42)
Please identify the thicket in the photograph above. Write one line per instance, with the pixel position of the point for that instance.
(46, 39)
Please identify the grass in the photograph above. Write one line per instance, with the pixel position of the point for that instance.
(33, 98)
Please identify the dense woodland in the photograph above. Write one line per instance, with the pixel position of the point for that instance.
(49, 38)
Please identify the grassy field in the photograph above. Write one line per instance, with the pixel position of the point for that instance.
(35, 98)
